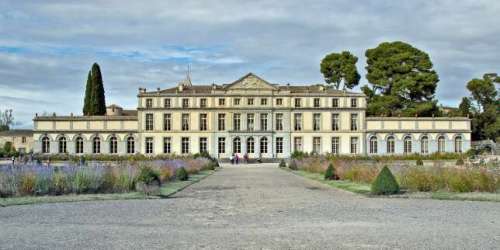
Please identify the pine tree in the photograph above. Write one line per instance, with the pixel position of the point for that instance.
(87, 110)
(98, 98)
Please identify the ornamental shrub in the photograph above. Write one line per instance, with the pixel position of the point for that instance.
(385, 183)
(181, 174)
(293, 165)
(420, 162)
(28, 184)
(282, 163)
(330, 173)
(148, 175)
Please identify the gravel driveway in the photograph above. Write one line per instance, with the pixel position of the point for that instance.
(254, 207)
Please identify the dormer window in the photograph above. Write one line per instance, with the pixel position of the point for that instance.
(166, 103)
(185, 103)
(354, 102)
(149, 103)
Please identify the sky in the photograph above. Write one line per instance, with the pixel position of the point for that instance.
(47, 47)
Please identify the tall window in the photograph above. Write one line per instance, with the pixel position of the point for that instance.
(354, 122)
(149, 145)
(185, 145)
(390, 144)
(185, 122)
(354, 145)
(335, 145)
(263, 101)
(263, 121)
(149, 122)
(354, 102)
(407, 147)
(335, 102)
(167, 122)
(221, 122)
(263, 145)
(316, 145)
(297, 118)
(185, 102)
(250, 121)
(130, 145)
(113, 145)
(297, 102)
(79, 145)
(441, 144)
(373, 145)
(203, 144)
(236, 101)
(250, 101)
(62, 145)
(335, 122)
(23, 139)
(222, 101)
(149, 103)
(222, 145)
(250, 145)
(203, 102)
(458, 144)
(297, 144)
(236, 122)
(424, 145)
(316, 102)
(279, 145)
(96, 145)
(167, 145)
(279, 101)
(279, 122)
(166, 103)
(316, 122)
(237, 145)
(45, 145)
(203, 122)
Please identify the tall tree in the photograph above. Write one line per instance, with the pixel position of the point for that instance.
(87, 109)
(6, 119)
(483, 90)
(340, 68)
(465, 108)
(98, 97)
(403, 81)
(94, 101)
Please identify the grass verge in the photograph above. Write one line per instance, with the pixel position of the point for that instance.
(354, 187)
(167, 190)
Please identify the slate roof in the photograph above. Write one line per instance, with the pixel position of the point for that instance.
(17, 132)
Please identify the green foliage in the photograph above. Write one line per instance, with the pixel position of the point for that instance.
(403, 81)
(293, 165)
(59, 184)
(6, 119)
(420, 162)
(7, 147)
(385, 183)
(282, 164)
(181, 174)
(28, 184)
(340, 67)
(330, 173)
(465, 107)
(94, 101)
(298, 155)
(148, 175)
(460, 162)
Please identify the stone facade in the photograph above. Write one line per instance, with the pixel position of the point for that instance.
(21, 139)
(249, 116)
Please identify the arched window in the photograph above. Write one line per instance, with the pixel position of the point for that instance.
(96, 145)
(263, 145)
(45, 145)
(373, 145)
(62, 145)
(237, 145)
(130, 145)
(441, 144)
(390, 144)
(407, 145)
(113, 145)
(424, 145)
(458, 144)
(79, 145)
(250, 145)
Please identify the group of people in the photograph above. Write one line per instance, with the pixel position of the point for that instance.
(236, 158)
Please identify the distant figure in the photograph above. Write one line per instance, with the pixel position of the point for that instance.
(245, 157)
(231, 158)
(13, 160)
(237, 159)
(260, 158)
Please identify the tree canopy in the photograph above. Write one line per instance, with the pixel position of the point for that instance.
(94, 101)
(403, 81)
(6, 119)
(338, 68)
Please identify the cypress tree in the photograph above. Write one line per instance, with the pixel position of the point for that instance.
(98, 98)
(87, 110)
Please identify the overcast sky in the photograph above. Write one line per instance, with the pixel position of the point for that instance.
(47, 47)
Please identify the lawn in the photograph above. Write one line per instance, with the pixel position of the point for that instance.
(166, 190)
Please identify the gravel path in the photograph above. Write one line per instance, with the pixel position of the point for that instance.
(254, 207)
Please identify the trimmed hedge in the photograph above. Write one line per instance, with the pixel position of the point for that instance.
(330, 173)
(385, 183)
(181, 174)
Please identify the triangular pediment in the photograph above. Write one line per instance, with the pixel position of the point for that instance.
(251, 81)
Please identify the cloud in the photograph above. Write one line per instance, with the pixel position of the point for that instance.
(47, 47)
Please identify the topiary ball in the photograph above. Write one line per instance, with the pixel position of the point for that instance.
(330, 173)
(181, 174)
(385, 183)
